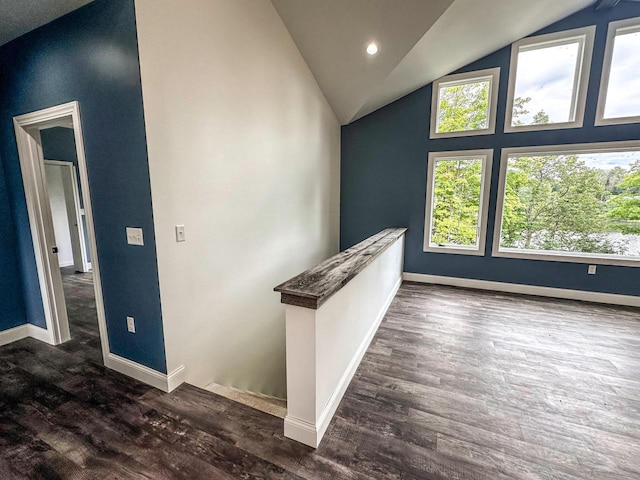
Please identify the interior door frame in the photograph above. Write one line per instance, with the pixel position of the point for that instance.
(27, 128)
(76, 213)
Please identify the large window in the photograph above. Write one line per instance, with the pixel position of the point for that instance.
(465, 104)
(548, 81)
(576, 203)
(620, 87)
(457, 201)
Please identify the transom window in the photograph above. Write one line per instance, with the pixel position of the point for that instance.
(620, 87)
(457, 201)
(465, 104)
(575, 203)
(548, 81)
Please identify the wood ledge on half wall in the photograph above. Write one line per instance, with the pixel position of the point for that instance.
(312, 288)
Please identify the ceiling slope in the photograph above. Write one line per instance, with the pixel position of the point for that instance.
(332, 36)
(420, 41)
(468, 31)
(18, 17)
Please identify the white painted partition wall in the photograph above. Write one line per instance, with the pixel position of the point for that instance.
(325, 346)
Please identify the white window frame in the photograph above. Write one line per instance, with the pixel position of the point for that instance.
(627, 25)
(491, 74)
(604, 147)
(483, 211)
(585, 36)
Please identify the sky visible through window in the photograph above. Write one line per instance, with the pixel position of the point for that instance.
(546, 76)
(582, 203)
(623, 96)
(608, 161)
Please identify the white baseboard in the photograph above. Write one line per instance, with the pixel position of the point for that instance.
(310, 434)
(13, 334)
(161, 381)
(41, 334)
(25, 331)
(66, 264)
(301, 431)
(585, 296)
(176, 378)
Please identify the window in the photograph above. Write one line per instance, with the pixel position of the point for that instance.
(620, 87)
(548, 81)
(465, 104)
(577, 203)
(457, 200)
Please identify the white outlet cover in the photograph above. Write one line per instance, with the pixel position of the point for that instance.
(131, 325)
(180, 237)
(592, 270)
(134, 236)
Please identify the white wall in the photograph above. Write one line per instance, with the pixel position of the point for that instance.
(59, 214)
(325, 346)
(244, 151)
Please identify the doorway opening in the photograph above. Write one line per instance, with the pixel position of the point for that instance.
(54, 172)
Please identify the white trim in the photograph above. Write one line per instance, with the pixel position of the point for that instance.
(27, 128)
(585, 36)
(176, 378)
(301, 431)
(41, 334)
(632, 24)
(161, 381)
(310, 434)
(13, 334)
(25, 331)
(629, 261)
(487, 163)
(59, 163)
(41, 225)
(492, 74)
(584, 296)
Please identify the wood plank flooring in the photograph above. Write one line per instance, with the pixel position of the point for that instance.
(457, 384)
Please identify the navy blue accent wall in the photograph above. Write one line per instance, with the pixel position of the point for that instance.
(384, 169)
(12, 310)
(59, 143)
(91, 55)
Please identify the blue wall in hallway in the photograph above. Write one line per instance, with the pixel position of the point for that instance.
(384, 168)
(12, 310)
(91, 56)
(59, 143)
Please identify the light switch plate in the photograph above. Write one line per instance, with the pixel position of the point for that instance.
(134, 236)
(592, 270)
(180, 233)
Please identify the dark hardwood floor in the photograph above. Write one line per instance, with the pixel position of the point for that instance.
(457, 384)
(83, 320)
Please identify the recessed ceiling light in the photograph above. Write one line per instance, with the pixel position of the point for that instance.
(372, 48)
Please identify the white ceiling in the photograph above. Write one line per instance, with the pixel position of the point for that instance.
(332, 36)
(18, 17)
(420, 41)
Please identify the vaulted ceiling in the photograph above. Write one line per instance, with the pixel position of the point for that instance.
(419, 41)
(18, 17)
